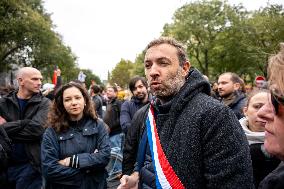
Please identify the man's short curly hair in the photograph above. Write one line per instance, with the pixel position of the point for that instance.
(181, 49)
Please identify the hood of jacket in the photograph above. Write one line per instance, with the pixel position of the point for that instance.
(194, 84)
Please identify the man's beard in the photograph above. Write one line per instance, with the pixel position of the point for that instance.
(141, 96)
(170, 86)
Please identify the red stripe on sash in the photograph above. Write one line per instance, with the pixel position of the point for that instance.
(171, 176)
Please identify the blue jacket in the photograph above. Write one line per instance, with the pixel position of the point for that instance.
(83, 140)
(128, 109)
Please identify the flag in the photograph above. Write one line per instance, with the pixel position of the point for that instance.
(54, 77)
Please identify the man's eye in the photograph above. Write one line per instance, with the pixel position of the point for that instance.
(147, 65)
(163, 62)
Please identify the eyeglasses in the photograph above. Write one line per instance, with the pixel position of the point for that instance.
(276, 99)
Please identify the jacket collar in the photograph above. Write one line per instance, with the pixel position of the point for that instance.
(12, 96)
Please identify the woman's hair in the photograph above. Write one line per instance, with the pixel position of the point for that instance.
(58, 116)
(253, 93)
(276, 69)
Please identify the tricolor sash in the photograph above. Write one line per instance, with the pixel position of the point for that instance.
(165, 175)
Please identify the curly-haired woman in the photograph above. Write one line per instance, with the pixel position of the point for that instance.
(75, 146)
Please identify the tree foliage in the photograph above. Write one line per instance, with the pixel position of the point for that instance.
(138, 67)
(220, 37)
(223, 38)
(90, 76)
(122, 73)
(28, 39)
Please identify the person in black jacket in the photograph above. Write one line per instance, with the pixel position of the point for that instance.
(189, 140)
(111, 118)
(23, 113)
(229, 88)
(75, 146)
(273, 114)
(5, 152)
(97, 99)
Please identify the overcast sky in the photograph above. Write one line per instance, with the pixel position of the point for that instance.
(100, 33)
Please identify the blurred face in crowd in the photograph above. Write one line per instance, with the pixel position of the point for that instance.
(226, 86)
(29, 81)
(163, 71)
(215, 86)
(74, 103)
(274, 127)
(248, 88)
(111, 94)
(140, 90)
(255, 123)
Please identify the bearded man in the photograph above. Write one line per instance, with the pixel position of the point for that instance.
(186, 138)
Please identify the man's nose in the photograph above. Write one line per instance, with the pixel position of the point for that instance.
(154, 70)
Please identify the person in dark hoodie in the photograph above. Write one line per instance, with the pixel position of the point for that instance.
(229, 88)
(188, 139)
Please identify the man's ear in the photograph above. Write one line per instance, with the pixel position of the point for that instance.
(20, 81)
(185, 68)
(245, 109)
(237, 86)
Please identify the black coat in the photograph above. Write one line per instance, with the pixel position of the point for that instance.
(262, 163)
(89, 140)
(25, 127)
(5, 149)
(112, 116)
(132, 140)
(202, 140)
(275, 180)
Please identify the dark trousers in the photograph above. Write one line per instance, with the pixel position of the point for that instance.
(24, 177)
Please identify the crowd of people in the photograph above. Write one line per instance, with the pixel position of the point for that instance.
(176, 131)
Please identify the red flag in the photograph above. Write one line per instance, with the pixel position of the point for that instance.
(54, 77)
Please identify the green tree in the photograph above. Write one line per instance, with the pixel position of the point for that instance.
(90, 76)
(138, 67)
(201, 25)
(28, 39)
(121, 74)
(221, 38)
(263, 30)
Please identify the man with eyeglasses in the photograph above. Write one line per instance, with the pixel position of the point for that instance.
(273, 114)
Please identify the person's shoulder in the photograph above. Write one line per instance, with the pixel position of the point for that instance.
(126, 104)
(205, 101)
(209, 108)
(49, 133)
(142, 111)
(91, 122)
(39, 97)
(8, 97)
